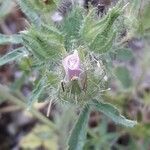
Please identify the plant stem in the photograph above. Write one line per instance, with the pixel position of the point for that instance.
(4, 92)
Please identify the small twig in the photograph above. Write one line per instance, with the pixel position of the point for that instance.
(49, 108)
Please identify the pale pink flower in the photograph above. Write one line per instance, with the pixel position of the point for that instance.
(72, 65)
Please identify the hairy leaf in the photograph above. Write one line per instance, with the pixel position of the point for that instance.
(27, 8)
(102, 44)
(52, 32)
(99, 34)
(45, 42)
(71, 27)
(7, 39)
(112, 112)
(13, 55)
(78, 134)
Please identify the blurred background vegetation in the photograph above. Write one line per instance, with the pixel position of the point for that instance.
(21, 129)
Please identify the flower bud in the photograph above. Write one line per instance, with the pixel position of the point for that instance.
(75, 76)
(72, 65)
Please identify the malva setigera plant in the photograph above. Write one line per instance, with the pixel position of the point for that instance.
(70, 58)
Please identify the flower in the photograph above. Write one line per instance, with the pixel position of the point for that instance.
(72, 65)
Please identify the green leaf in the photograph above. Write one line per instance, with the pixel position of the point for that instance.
(112, 112)
(123, 76)
(124, 54)
(75, 88)
(34, 47)
(87, 24)
(78, 134)
(46, 43)
(39, 88)
(99, 34)
(7, 39)
(71, 26)
(27, 8)
(13, 55)
(103, 43)
(52, 32)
